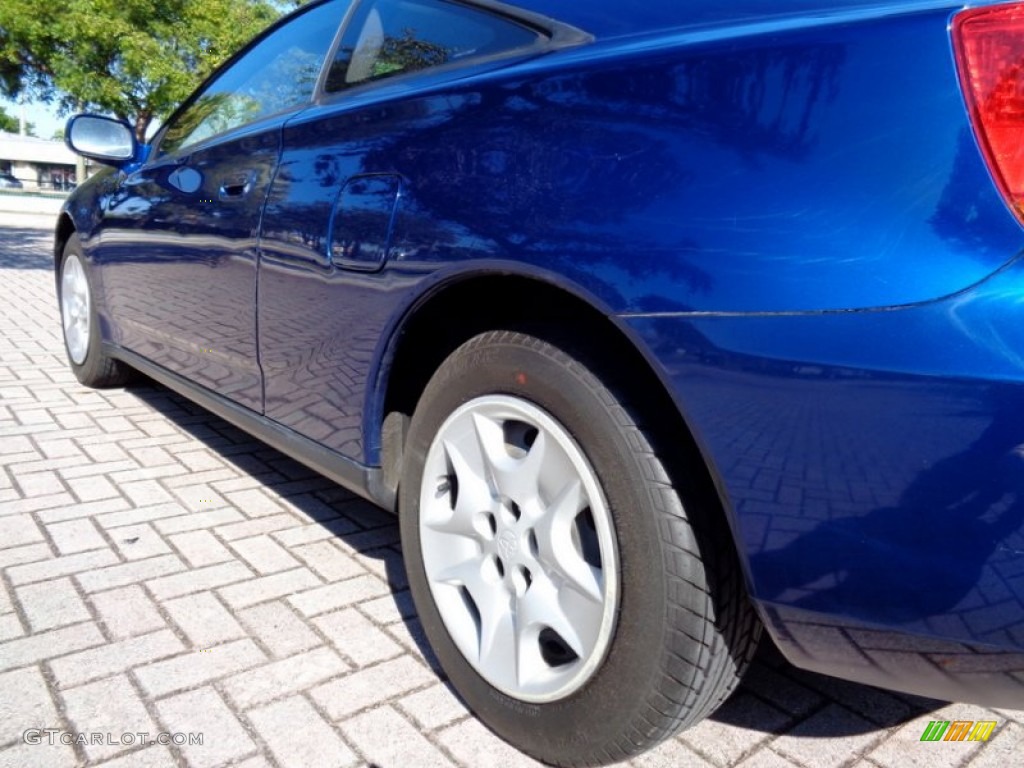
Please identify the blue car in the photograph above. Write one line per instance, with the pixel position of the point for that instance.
(661, 326)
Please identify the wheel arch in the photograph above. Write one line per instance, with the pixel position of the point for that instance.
(455, 310)
(65, 229)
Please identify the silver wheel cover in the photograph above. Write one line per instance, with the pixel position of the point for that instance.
(518, 548)
(74, 308)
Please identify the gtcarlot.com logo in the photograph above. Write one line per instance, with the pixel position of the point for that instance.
(958, 730)
(97, 738)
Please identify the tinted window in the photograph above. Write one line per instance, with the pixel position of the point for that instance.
(389, 37)
(279, 73)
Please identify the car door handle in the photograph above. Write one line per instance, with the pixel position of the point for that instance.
(235, 187)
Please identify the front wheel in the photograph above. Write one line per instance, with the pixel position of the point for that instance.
(80, 323)
(564, 588)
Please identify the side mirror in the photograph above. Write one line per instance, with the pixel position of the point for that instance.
(101, 138)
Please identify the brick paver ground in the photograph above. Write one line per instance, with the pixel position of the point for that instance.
(161, 571)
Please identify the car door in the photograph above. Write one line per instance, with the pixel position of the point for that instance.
(179, 238)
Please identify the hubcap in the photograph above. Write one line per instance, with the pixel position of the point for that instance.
(518, 548)
(74, 308)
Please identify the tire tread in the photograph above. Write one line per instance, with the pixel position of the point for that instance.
(713, 630)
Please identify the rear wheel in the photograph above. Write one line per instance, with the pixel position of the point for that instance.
(566, 591)
(80, 323)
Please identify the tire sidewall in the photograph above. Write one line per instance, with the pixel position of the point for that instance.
(607, 704)
(91, 365)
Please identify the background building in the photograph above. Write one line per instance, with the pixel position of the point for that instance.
(39, 164)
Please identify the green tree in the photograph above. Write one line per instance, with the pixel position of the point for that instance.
(11, 124)
(136, 59)
(8, 123)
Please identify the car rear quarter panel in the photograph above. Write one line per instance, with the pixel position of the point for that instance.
(678, 174)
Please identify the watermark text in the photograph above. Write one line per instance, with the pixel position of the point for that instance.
(53, 736)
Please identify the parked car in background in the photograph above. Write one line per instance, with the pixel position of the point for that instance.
(657, 324)
(9, 181)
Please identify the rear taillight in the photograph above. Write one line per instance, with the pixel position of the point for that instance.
(989, 45)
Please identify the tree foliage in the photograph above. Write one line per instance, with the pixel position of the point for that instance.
(137, 59)
(11, 124)
(8, 123)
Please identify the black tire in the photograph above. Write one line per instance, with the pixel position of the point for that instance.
(96, 369)
(685, 629)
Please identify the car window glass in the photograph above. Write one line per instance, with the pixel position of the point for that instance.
(278, 73)
(390, 37)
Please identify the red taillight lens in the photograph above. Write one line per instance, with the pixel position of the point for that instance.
(989, 45)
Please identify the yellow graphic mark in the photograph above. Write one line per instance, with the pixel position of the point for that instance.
(982, 730)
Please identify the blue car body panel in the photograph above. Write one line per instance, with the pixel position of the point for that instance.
(875, 468)
(782, 205)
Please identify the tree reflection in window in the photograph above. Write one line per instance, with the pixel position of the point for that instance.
(400, 54)
(211, 114)
(391, 37)
(279, 73)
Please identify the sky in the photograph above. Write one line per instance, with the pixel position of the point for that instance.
(44, 116)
